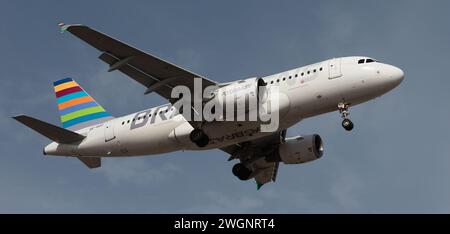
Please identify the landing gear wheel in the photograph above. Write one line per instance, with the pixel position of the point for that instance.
(199, 138)
(241, 171)
(347, 124)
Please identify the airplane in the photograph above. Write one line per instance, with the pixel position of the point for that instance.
(89, 132)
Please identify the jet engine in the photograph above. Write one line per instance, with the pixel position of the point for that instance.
(301, 149)
(247, 96)
(241, 96)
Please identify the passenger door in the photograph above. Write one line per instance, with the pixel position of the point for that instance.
(334, 68)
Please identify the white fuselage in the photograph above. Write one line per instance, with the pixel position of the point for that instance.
(310, 91)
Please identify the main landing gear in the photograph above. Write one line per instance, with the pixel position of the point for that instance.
(347, 124)
(241, 171)
(199, 138)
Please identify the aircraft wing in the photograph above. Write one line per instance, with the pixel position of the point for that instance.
(152, 72)
(266, 172)
(254, 154)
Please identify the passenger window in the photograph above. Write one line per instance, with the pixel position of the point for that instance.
(128, 121)
(296, 75)
(284, 78)
(278, 80)
(303, 73)
(308, 72)
(271, 82)
(321, 69)
(315, 70)
(361, 61)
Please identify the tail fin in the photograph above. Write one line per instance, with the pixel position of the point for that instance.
(76, 108)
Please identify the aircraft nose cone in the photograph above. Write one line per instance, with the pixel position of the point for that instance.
(396, 76)
(393, 76)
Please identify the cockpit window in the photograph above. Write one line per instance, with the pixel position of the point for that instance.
(362, 61)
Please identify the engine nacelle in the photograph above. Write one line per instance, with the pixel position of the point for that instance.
(299, 149)
(247, 96)
(241, 96)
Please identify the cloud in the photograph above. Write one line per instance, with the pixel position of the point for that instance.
(345, 190)
(219, 202)
(139, 172)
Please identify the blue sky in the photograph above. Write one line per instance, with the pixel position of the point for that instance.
(395, 161)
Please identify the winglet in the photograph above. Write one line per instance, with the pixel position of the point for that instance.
(64, 26)
(258, 186)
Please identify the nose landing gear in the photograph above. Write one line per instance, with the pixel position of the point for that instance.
(347, 124)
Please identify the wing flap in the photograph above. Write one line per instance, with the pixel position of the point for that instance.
(137, 75)
(265, 171)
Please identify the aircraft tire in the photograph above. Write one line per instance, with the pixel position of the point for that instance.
(199, 138)
(241, 171)
(347, 124)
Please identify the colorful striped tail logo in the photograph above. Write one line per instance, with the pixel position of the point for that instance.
(76, 108)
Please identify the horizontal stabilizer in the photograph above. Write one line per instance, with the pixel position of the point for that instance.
(91, 162)
(50, 131)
